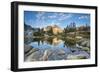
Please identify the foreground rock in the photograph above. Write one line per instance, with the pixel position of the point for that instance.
(27, 48)
(35, 56)
(61, 52)
(31, 51)
(28, 51)
(83, 48)
(46, 55)
(86, 49)
(72, 57)
(84, 42)
(79, 55)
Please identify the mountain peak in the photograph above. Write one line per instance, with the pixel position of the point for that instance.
(55, 29)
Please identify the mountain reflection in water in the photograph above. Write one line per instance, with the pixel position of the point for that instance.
(54, 48)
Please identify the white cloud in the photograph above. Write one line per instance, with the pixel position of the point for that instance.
(40, 14)
(53, 23)
(64, 16)
(60, 16)
(53, 16)
(41, 18)
(40, 21)
(83, 17)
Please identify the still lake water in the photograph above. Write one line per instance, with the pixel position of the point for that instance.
(60, 49)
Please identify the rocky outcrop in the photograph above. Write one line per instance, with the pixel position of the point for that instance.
(46, 55)
(28, 50)
(61, 52)
(78, 56)
(84, 42)
(55, 29)
(34, 54)
(72, 57)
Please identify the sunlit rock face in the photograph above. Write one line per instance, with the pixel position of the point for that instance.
(55, 29)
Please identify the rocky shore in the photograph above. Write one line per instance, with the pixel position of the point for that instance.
(84, 44)
(34, 54)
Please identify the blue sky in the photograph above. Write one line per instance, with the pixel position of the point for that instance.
(38, 19)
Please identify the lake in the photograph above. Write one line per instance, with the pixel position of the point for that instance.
(54, 48)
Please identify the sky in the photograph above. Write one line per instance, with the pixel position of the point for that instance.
(39, 19)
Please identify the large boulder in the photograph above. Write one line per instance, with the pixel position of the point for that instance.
(79, 55)
(88, 44)
(61, 52)
(34, 56)
(84, 42)
(27, 48)
(86, 49)
(72, 57)
(46, 55)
